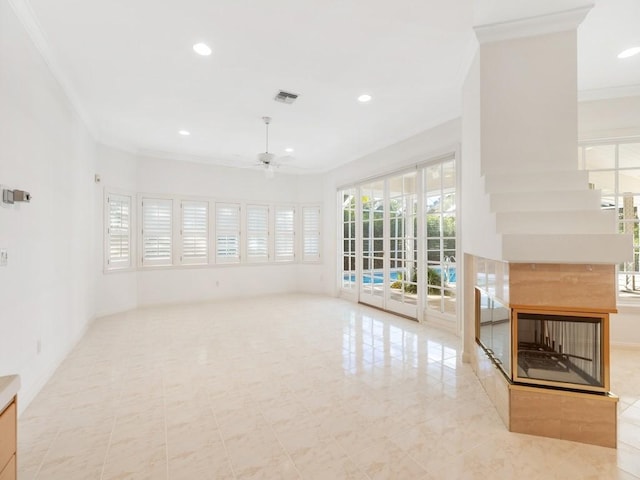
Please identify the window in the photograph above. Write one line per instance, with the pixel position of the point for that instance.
(614, 169)
(257, 233)
(284, 248)
(118, 231)
(310, 234)
(227, 233)
(156, 231)
(181, 231)
(195, 233)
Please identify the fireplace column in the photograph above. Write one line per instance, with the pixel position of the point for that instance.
(524, 201)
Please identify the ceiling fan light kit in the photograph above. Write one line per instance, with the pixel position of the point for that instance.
(267, 160)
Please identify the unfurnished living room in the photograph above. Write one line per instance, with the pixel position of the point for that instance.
(319, 240)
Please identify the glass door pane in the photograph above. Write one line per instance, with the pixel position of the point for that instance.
(372, 278)
(440, 221)
(402, 245)
(348, 199)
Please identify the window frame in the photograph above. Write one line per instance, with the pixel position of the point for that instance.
(304, 233)
(289, 235)
(618, 196)
(264, 234)
(151, 263)
(228, 259)
(193, 260)
(108, 265)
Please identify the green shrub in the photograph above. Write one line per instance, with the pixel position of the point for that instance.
(434, 280)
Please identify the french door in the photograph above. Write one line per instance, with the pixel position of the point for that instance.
(399, 242)
(389, 268)
(374, 267)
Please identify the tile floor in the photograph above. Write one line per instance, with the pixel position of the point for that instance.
(291, 387)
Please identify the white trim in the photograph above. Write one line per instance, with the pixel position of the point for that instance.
(532, 26)
(106, 268)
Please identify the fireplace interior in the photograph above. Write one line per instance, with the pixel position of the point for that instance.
(560, 350)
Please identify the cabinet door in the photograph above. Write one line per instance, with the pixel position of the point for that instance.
(7, 434)
(9, 472)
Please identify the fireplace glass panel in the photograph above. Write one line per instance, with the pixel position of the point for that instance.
(562, 349)
(494, 329)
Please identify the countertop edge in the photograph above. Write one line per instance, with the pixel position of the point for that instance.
(9, 386)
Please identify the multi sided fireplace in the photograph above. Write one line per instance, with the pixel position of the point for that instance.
(537, 346)
(561, 349)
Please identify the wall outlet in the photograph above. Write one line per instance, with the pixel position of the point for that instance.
(38, 346)
(4, 257)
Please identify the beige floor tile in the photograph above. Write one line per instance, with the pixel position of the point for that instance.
(291, 387)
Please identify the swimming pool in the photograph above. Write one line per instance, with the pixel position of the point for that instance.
(378, 276)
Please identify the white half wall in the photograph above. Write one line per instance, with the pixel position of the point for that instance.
(47, 291)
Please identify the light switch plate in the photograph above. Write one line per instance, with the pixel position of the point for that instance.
(4, 257)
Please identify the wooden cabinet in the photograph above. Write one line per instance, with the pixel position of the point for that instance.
(9, 472)
(8, 425)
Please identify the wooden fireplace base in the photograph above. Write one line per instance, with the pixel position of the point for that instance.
(579, 417)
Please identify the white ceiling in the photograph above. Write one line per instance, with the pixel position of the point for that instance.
(130, 68)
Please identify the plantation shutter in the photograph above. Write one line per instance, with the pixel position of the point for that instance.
(227, 233)
(257, 233)
(156, 231)
(284, 234)
(118, 231)
(310, 234)
(194, 232)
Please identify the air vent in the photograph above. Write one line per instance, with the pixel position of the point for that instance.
(285, 97)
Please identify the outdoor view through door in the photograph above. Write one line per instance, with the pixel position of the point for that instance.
(399, 241)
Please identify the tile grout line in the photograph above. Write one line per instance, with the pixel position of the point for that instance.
(53, 439)
(113, 428)
(280, 443)
(164, 417)
(224, 444)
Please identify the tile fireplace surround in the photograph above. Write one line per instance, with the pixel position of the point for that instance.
(544, 328)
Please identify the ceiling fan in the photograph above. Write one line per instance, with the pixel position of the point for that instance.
(266, 160)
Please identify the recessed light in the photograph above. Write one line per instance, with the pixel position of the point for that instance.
(364, 98)
(288, 150)
(184, 133)
(629, 52)
(202, 49)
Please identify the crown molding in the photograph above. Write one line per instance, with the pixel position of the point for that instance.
(532, 26)
(29, 21)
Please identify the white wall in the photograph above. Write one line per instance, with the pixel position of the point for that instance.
(478, 230)
(47, 290)
(118, 170)
(119, 291)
